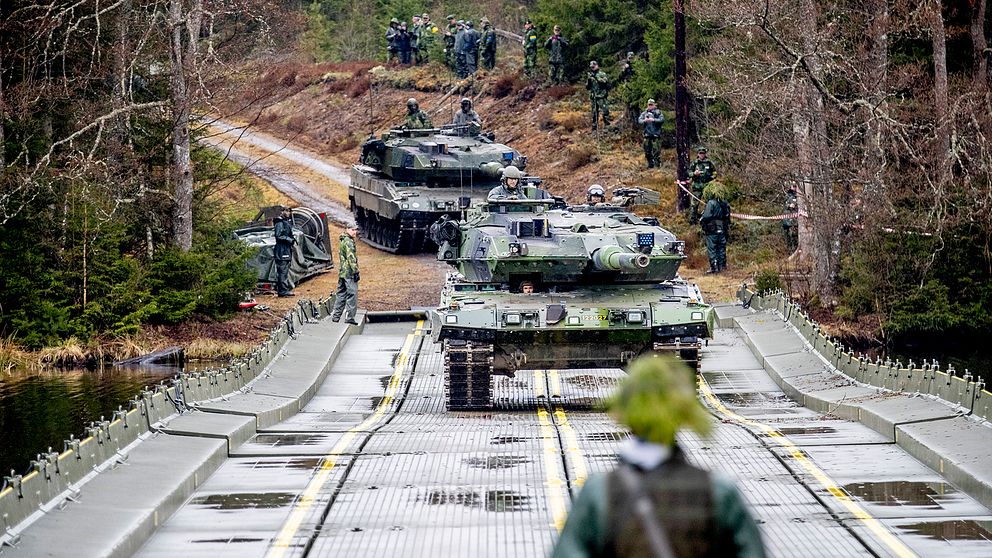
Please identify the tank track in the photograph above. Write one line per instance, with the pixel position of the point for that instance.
(397, 236)
(687, 352)
(468, 369)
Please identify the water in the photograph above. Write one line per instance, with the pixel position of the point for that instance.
(40, 409)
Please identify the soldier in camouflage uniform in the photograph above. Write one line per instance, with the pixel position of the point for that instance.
(488, 44)
(652, 119)
(530, 48)
(346, 296)
(790, 226)
(416, 119)
(449, 42)
(556, 45)
(701, 172)
(428, 35)
(598, 84)
(391, 32)
(715, 223)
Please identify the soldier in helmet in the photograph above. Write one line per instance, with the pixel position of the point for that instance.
(416, 119)
(391, 32)
(467, 114)
(655, 490)
(598, 84)
(595, 195)
(510, 188)
(701, 172)
(488, 44)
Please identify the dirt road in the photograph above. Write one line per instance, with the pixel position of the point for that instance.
(389, 282)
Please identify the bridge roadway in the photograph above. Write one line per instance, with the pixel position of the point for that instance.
(375, 466)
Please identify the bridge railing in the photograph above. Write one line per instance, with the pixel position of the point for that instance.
(56, 477)
(953, 386)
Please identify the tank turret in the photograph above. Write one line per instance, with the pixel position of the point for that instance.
(407, 179)
(542, 287)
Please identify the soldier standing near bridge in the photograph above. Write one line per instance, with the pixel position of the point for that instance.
(701, 172)
(283, 250)
(655, 503)
(346, 296)
(652, 119)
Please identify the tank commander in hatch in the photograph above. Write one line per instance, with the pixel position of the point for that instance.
(510, 189)
(526, 287)
(467, 115)
(595, 195)
(416, 119)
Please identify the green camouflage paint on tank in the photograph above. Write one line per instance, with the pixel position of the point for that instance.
(607, 290)
(407, 179)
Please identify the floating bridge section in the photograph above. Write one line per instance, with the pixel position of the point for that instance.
(341, 446)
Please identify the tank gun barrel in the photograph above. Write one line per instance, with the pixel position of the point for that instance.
(614, 258)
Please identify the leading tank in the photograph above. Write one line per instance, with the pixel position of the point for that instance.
(408, 179)
(606, 289)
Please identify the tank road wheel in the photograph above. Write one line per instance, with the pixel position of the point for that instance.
(687, 352)
(468, 368)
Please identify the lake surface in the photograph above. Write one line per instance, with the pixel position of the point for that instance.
(40, 409)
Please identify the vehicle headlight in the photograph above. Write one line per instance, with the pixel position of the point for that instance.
(574, 320)
(697, 315)
(451, 319)
(635, 317)
(511, 318)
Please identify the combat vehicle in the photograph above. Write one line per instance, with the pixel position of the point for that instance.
(606, 289)
(408, 179)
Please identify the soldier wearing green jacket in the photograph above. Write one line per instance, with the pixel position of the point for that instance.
(346, 296)
(556, 45)
(701, 172)
(426, 39)
(449, 42)
(651, 119)
(598, 84)
(654, 490)
(487, 44)
(530, 48)
(416, 119)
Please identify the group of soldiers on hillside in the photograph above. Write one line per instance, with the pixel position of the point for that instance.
(410, 46)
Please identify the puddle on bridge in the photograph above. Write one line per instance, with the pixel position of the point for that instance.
(957, 529)
(245, 501)
(279, 440)
(496, 461)
(501, 440)
(902, 493)
(299, 463)
(490, 500)
(801, 430)
(755, 399)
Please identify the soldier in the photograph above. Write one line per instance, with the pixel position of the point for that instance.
(460, 66)
(449, 42)
(472, 39)
(346, 296)
(416, 119)
(651, 119)
(556, 45)
(467, 115)
(790, 226)
(391, 32)
(598, 84)
(428, 36)
(655, 491)
(526, 287)
(283, 251)
(701, 172)
(488, 45)
(509, 188)
(403, 42)
(530, 48)
(415, 31)
(595, 195)
(627, 93)
(715, 223)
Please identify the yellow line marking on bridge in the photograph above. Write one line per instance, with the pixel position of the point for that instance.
(302, 507)
(875, 526)
(571, 439)
(552, 460)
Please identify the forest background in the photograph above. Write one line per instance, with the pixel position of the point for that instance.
(879, 112)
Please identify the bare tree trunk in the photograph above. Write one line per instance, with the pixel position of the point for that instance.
(979, 44)
(120, 93)
(182, 169)
(941, 103)
(878, 60)
(3, 118)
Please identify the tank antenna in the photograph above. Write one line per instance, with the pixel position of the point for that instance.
(371, 124)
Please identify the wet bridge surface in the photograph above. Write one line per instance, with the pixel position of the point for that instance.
(375, 466)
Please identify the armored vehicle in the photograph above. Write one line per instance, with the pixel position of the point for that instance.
(604, 288)
(408, 179)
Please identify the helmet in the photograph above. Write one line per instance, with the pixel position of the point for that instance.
(593, 64)
(700, 149)
(466, 102)
(512, 172)
(595, 190)
(651, 101)
(394, 20)
(469, 23)
(452, 16)
(412, 103)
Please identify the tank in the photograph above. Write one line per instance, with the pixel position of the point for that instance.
(606, 289)
(408, 179)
